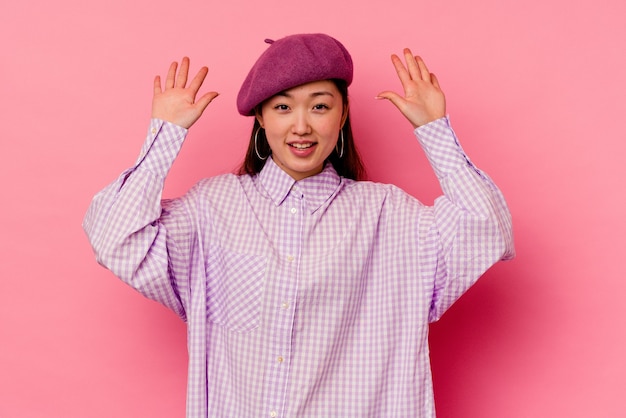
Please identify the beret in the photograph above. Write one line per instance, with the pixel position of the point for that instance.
(290, 62)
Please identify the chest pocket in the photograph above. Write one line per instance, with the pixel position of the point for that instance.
(234, 289)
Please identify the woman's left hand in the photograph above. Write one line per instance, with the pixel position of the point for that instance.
(423, 100)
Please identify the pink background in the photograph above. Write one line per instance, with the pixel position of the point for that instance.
(536, 91)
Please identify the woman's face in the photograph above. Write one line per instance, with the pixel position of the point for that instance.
(302, 126)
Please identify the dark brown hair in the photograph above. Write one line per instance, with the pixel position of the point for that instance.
(348, 166)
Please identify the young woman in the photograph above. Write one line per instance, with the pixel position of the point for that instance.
(306, 292)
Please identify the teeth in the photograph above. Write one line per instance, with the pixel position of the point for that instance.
(301, 146)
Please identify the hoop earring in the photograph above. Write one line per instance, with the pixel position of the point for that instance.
(256, 149)
(336, 149)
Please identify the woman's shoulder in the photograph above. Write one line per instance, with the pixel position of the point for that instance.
(386, 193)
(390, 201)
(369, 186)
(218, 180)
(218, 185)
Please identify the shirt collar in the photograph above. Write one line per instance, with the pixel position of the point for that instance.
(315, 190)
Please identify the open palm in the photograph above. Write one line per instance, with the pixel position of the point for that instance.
(423, 99)
(177, 102)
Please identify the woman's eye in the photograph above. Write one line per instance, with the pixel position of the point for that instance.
(320, 106)
(281, 107)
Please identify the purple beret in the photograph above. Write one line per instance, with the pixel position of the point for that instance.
(290, 62)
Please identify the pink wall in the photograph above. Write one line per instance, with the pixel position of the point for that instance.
(536, 91)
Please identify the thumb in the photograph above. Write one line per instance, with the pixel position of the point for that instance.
(394, 98)
(205, 100)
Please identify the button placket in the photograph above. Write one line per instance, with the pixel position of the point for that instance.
(280, 338)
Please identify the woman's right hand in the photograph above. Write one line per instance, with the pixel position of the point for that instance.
(423, 99)
(177, 103)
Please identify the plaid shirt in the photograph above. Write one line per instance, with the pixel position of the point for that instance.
(302, 298)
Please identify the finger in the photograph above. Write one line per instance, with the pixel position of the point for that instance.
(171, 74)
(412, 65)
(435, 80)
(424, 73)
(205, 100)
(393, 97)
(403, 74)
(197, 81)
(183, 72)
(157, 85)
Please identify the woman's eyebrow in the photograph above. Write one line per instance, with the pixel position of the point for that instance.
(314, 94)
(322, 93)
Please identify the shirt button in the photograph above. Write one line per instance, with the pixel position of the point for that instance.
(280, 359)
(290, 258)
(153, 131)
(273, 414)
(294, 210)
(285, 305)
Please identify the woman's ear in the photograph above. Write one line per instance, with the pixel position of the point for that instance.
(259, 116)
(344, 116)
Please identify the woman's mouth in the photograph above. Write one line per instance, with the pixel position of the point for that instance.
(300, 146)
(302, 149)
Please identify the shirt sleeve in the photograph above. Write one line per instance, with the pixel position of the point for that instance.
(127, 223)
(471, 223)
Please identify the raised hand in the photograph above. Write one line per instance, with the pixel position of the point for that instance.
(423, 100)
(177, 103)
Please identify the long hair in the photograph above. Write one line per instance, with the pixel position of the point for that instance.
(349, 165)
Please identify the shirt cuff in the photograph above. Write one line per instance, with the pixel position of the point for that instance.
(161, 147)
(442, 147)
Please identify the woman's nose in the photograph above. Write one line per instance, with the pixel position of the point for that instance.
(301, 125)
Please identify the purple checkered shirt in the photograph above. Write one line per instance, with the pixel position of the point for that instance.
(302, 298)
